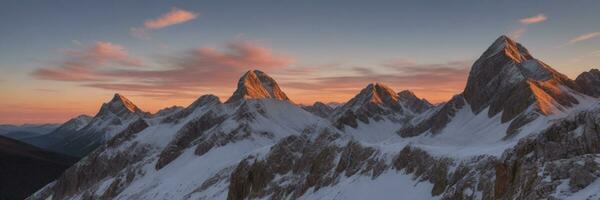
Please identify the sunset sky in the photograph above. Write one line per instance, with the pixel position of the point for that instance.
(59, 59)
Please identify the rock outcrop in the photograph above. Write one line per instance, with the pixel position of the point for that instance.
(377, 102)
(319, 109)
(589, 82)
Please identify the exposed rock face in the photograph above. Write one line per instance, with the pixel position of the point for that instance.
(119, 106)
(186, 135)
(507, 79)
(256, 84)
(413, 103)
(301, 164)
(376, 102)
(89, 172)
(436, 122)
(566, 151)
(319, 109)
(589, 82)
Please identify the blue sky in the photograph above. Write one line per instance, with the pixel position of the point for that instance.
(332, 38)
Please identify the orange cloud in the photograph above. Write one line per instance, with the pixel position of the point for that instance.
(584, 37)
(534, 19)
(175, 16)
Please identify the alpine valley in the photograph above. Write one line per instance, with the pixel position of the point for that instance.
(519, 130)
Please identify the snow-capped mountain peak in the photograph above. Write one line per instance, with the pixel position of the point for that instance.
(256, 84)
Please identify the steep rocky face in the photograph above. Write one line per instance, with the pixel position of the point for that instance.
(319, 109)
(119, 106)
(507, 79)
(412, 102)
(565, 153)
(256, 84)
(374, 102)
(437, 122)
(589, 82)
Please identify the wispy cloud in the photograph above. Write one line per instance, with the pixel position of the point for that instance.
(524, 23)
(173, 17)
(533, 19)
(79, 65)
(517, 33)
(584, 37)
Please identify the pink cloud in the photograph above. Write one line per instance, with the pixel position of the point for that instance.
(216, 70)
(175, 16)
(190, 72)
(584, 37)
(533, 19)
(80, 65)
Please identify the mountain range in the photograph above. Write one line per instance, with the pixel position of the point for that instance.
(519, 130)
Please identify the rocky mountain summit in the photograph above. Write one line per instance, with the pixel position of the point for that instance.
(507, 81)
(519, 130)
(377, 102)
(256, 84)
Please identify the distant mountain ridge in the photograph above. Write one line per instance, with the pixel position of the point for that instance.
(25, 168)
